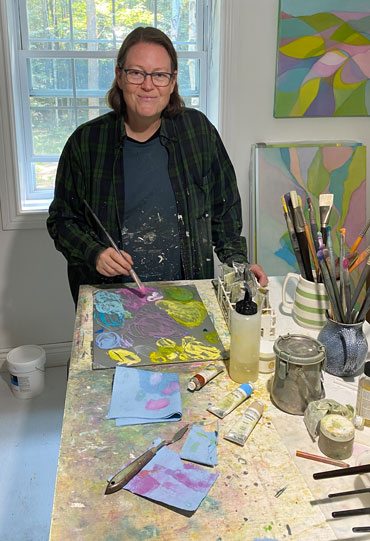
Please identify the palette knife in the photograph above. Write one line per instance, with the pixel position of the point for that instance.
(122, 477)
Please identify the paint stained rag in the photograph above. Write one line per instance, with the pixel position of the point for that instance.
(143, 396)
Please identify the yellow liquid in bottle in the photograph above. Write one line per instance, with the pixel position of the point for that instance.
(245, 347)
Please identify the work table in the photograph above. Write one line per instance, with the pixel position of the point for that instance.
(243, 503)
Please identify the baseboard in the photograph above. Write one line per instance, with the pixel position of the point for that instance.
(56, 355)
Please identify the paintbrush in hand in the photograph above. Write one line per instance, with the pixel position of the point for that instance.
(133, 274)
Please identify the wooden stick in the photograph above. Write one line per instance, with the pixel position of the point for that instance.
(324, 459)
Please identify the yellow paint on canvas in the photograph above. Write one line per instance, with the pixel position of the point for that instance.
(307, 94)
(123, 356)
(191, 349)
(188, 314)
(304, 47)
(339, 84)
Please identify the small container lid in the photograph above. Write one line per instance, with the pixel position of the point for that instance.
(247, 387)
(299, 349)
(258, 406)
(246, 307)
(337, 427)
(191, 385)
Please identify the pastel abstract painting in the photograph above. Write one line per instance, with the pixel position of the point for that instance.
(168, 480)
(323, 59)
(311, 170)
(143, 396)
(167, 325)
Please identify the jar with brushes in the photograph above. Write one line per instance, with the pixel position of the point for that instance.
(363, 395)
(346, 347)
(245, 340)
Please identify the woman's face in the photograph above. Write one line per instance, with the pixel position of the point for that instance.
(145, 100)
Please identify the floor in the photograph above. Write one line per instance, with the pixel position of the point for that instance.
(29, 445)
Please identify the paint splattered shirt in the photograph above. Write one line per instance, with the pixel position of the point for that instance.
(150, 232)
(202, 178)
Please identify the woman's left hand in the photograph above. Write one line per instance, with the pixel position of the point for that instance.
(260, 275)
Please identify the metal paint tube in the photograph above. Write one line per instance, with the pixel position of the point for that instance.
(232, 400)
(240, 432)
(201, 378)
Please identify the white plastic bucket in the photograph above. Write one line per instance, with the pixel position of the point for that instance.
(26, 365)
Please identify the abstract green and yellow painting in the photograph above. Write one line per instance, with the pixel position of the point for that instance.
(323, 59)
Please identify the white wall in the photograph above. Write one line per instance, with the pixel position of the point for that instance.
(35, 303)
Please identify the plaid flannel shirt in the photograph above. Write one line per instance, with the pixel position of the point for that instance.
(203, 181)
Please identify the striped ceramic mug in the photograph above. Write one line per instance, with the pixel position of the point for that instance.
(310, 302)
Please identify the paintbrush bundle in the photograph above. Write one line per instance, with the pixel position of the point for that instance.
(313, 247)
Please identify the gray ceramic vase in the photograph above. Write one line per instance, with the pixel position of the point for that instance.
(346, 347)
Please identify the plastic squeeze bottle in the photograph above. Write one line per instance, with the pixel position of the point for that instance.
(245, 340)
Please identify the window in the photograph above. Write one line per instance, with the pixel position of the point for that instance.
(60, 55)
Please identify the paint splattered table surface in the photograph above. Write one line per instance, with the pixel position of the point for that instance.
(241, 505)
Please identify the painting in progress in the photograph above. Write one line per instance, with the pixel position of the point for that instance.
(323, 59)
(311, 170)
(169, 324)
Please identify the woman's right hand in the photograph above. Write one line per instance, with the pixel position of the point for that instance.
(110, 263)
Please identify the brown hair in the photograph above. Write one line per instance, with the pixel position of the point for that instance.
(146, 34)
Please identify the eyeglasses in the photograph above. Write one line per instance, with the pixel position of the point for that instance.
(137, 77)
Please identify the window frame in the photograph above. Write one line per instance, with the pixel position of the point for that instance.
(15, 144)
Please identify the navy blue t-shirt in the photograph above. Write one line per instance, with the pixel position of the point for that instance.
(150, 231)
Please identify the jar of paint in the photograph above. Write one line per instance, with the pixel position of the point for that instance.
(336, 436)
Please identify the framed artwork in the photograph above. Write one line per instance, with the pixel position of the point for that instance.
(311, 170)
(323, 59)
(167, 325)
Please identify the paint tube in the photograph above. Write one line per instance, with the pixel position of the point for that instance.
(240, 432)
(232, 400)
(201, 378)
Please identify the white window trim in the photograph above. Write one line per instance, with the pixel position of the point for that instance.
(12, 216)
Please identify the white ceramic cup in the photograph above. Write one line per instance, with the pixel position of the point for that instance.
(310, 301)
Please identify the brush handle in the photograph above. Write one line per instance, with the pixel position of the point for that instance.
(303, 248)
(133, 274)
(349, 493)
(353, 470)
(364, 308)
(359, 259)
(295, 245)
(360, 283)
(351, 512)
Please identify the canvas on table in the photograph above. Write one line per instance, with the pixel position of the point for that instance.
(167, 325)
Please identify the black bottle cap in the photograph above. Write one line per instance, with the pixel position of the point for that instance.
(246, 307)
(367, 369)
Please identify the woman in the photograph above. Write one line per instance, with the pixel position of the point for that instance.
(156, 174)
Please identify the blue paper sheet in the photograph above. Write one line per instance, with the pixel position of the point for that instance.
(168, 480)
(143, 396)
(201, 446)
